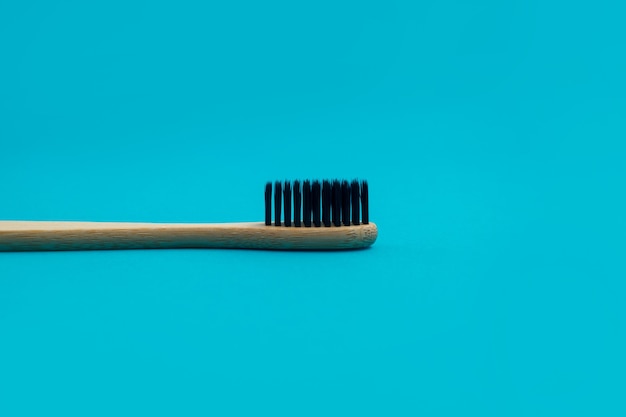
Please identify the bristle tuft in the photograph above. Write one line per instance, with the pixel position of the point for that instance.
(315, 202)
(287, 202)
(297, 203)
(336, 203)
(326, 196)
(356, 196)
(268, 204)
(306, 207)
(345, 203)
(277, 202)
(365, 210)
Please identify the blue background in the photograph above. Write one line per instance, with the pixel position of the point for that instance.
(492, 134)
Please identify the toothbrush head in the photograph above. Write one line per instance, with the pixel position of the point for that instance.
(325, 203)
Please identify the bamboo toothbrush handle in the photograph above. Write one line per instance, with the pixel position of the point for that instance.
(41, 236)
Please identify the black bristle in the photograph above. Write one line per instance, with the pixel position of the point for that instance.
(336, 202)
(297, 203)
(365, 210)
(326, 196)
(268, 204)
(355, 202)
(287, 203)
(278, 196)
(315, 203)
(345, 203)
(306, 206)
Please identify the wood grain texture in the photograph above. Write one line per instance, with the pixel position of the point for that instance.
(47, 236)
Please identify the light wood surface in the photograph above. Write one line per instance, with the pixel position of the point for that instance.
(43, 236)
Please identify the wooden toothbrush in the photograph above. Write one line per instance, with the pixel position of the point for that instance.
(342, 222)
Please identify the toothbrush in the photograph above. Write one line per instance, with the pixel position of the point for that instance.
(342, 222)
